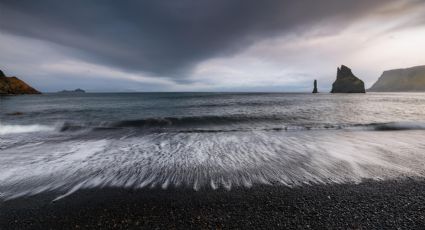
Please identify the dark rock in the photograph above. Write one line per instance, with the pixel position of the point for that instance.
(14, 86)
(346, 82)
(15, 114)
(401, 80)
(315, 87)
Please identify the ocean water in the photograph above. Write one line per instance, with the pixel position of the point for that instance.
(66, 142)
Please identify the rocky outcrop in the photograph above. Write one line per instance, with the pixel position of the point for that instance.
(315, 86)
(401, 80)
(346, 82)
(72, 91)
(14, 86)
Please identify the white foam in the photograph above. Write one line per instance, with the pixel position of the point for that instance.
(13, 129)
(212, 160)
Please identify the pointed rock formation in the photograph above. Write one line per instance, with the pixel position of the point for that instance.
(346, 82)
(315, 87)
(13, 85)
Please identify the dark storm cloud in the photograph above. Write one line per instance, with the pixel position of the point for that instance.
(167, 38)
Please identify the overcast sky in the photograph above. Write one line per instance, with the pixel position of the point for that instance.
(206, 45)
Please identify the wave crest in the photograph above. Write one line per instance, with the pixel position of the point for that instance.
(393, 126)
(13, 129)
(233, 124)
(207, 124)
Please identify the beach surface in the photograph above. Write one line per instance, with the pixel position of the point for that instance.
(368, 205)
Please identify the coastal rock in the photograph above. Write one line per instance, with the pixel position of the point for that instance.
(315, 87)
(15, 114)
(346, 82)
(401, 80)
(14, 86)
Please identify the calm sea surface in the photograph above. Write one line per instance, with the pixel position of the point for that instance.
(66, 142)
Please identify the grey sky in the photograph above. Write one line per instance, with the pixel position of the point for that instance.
(200, 45)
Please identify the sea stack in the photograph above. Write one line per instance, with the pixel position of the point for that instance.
(14, 86)
(346, 82)
(315, 86)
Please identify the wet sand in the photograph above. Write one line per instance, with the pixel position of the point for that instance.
(368, 205)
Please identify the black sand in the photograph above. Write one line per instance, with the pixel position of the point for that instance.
(369, 205)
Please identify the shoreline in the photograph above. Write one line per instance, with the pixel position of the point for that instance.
(370, 204)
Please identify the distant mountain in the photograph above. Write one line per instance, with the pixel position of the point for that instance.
(401, 80)
(346, 82)
(14, 86)
(72, 91)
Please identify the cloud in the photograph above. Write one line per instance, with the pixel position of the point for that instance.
(166, 37)
(47, 66)
(195, 45)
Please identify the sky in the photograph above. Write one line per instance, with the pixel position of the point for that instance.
(206, 45)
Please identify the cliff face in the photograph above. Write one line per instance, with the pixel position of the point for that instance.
(13, 85)
(401, 80)
(346, 82)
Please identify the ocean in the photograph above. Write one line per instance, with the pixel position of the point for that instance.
(67, 142)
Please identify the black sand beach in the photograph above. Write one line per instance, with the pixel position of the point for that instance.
(369, 205)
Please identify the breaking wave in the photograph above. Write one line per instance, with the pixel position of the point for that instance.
(13, 129)
(231, 124)
(207, 160)
(175, 122)
(206, 124)
(392, 126)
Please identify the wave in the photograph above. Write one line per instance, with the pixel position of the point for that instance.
(235, 124)
(216, 161)
(387, 126)
(187, 121)
(391, 126)
(13, 129)
(176, 122)
(206, 124)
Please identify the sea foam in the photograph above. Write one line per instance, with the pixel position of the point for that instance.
(13, 129)
(210, 160)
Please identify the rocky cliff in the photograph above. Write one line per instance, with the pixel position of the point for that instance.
(13, 85)
(346, 82)
(401, 80)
